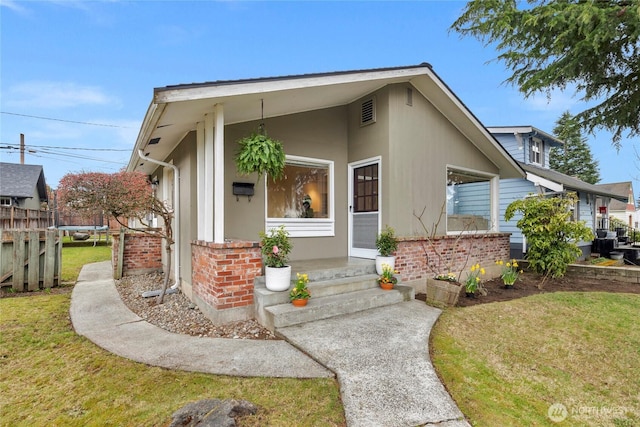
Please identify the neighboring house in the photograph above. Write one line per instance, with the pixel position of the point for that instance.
(531, 147)
(22, 186)
(367, 148)
(625, 210)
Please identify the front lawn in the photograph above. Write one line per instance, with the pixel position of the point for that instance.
(51, 376)
(507, 363)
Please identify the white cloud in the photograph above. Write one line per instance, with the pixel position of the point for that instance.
(555, 102)
(13, 5)
(53, 95)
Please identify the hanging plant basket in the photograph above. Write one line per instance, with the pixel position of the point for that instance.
(260, 154)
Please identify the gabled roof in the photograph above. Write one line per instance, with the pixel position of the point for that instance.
(620, 188)
(17, 180)
(175, 110)
(526, 129)
(571, 183)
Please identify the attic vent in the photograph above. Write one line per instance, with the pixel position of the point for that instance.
(409, 97)
(368, 113)
(154, 141)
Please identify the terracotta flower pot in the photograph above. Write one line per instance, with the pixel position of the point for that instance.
(299, 302)
(386, 286)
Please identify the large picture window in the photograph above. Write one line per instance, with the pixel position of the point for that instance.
(303, 198)
(469, 201)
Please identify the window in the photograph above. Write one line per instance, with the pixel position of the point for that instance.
(535, 151)
(303, 199)
(5, 201)
(469, 201)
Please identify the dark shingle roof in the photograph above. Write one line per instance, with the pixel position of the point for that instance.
(572, 183)
(18, 180)
(618, 188)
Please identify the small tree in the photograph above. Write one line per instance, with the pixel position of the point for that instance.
(574, 159)
(551, 234)
(122, 195)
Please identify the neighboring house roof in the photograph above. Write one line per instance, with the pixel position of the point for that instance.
(175, 110)
(620, 188)
(18, 180)
(524, 130)
(571, 183)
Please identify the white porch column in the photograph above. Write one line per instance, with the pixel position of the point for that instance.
(218, 214)
(200, 194)
(208, 198)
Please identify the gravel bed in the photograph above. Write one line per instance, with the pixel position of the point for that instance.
(179, 315)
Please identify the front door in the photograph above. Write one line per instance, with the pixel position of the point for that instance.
(364, 208)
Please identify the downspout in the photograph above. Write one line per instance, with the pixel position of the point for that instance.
(176, 205)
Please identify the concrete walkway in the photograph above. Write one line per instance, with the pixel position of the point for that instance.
(380, 356)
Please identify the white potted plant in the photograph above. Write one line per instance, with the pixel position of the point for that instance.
(387, 244)
(275, 248)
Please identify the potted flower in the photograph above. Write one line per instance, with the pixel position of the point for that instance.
(472, 284)
(510, 272)
(444, 288)
(275, 249)
(260, 154)
(449, 277)
(300, 294)
(386, 243)
(387, 280)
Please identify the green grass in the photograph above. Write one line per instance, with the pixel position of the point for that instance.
(506, 363)
(51, 376)
(77, 254)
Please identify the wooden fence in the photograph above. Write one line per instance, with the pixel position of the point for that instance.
(13, 217)
(30, 259)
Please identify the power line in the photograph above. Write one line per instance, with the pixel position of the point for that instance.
(15, 146)
(66, 121)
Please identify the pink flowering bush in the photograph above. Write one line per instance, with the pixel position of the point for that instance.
(276, 247)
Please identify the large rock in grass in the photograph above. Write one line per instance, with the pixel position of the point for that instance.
(212, 413)
(81, 236)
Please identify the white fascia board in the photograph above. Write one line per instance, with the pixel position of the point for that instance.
(274, 85)
(510, 129)
(476, 123)
(149, 123)
(539, 181)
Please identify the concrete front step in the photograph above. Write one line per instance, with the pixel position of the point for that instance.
(324, 307)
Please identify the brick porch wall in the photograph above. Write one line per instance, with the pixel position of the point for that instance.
(142, 253)
(417, 259)
(223, 278)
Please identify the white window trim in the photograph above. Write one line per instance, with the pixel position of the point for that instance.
(494, 188)
(533, 142)
(306, 227)
(5, 199)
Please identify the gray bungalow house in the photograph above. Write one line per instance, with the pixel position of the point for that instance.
(531, 147)
(366, 148)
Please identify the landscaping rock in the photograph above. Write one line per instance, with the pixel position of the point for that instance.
(81, 236)
(212, 413)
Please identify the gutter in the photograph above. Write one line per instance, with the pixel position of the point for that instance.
(176, 206)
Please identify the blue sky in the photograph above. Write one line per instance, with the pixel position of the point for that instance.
(92, 66)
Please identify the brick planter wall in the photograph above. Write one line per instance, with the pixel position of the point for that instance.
(142, 253)
(223, 278)
(417, 259)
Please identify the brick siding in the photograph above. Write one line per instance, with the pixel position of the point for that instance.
(418, 258)
(223, 273)
(142, 253)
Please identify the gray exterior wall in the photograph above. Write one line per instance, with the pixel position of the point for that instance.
(423, 142)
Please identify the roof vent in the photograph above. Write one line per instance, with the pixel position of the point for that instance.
(154, 141)
(368, 112)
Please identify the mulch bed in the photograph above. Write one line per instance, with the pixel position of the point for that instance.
(528, 284)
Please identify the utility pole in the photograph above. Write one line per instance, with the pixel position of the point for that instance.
(22, 148)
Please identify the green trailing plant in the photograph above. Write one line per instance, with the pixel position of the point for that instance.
(386, 242)
(276, 247)
(260, 154)
(551, 234)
